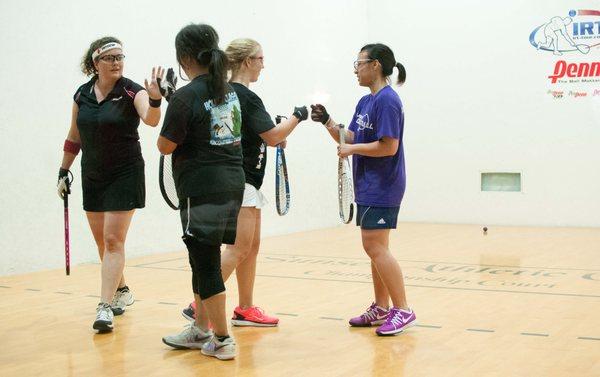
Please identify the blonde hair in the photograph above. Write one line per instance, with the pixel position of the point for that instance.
(239, 50)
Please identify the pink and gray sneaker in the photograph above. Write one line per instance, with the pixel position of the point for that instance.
(253, 316)
(189, 313)
(397, 321)
(375, 315)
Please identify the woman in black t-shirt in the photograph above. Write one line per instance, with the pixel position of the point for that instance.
(202, 128)
(105, 116)
(246, 62)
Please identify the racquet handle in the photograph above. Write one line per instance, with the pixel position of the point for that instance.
(342, 133)
(67, 246)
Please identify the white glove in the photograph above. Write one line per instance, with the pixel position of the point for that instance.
(64, 184)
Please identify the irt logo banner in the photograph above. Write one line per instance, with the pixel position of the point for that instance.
(578, 33)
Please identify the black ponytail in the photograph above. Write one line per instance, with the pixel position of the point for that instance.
(201, 42)
(217, 63)
(401, 74)
(385, 56)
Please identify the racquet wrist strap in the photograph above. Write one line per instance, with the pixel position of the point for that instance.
(329, 124)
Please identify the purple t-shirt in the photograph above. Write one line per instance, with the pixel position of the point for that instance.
(379, 181)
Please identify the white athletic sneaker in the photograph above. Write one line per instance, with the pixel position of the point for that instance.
(191, 337)
(104, 318)
(224, 350)
(123, 298)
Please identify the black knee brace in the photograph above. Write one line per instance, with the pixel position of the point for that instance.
(205, 261)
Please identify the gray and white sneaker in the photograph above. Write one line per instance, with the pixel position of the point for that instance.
(191, 337)
(104, 318)
(123, 298)
(224, 350)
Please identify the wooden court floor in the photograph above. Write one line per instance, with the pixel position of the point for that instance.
(515, 302)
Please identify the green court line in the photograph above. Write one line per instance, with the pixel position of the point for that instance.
(429, 326)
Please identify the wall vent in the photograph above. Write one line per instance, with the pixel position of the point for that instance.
(494, 181)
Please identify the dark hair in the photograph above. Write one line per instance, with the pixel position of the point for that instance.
(385, 56)
(87, 63)
(201, 42)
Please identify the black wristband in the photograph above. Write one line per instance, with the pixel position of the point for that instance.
(154, 102)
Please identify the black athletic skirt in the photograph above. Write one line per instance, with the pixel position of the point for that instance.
(123, 190)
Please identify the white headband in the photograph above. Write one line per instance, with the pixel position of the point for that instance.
(106, 47)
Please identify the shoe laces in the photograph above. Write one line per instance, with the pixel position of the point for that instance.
(252, 310)
(194, 330)
(395, 318)
(116, 298)
(371, 313)
(103, 311)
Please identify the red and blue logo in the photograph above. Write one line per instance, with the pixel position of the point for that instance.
(578, 33)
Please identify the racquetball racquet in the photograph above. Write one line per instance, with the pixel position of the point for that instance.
(345, 187)
(166, 181)
(584, 49)
(66, 223)
(282, 184)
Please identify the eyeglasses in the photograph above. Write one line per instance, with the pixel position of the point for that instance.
(112, 58)
(358, 62)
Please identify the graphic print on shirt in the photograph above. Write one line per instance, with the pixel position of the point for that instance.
(261, 156)
(363, 122)
(225, 120)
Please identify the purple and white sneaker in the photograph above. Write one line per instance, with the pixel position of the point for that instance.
(375, 315)
(397, 321)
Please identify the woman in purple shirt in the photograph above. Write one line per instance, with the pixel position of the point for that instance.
(374, 137)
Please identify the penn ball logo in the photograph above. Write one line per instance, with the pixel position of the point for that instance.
(578, 33)
(571, 70)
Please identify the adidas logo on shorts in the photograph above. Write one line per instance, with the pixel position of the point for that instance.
(381, 221)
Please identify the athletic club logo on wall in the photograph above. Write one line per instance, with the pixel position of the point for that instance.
(574, 40)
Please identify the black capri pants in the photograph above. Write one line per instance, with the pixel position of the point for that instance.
(209, 221)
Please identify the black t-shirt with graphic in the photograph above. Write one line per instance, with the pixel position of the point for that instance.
(108, 129)
(208, 157)
(255, 120)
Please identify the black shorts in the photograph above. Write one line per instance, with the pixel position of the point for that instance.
(211, 218)
(123, 191)
(369, 217)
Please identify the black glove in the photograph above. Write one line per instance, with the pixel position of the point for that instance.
(168, 87)
(301, 113)
(319, 113)
(64, 184)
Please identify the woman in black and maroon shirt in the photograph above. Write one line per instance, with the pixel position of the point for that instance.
(105, 117)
